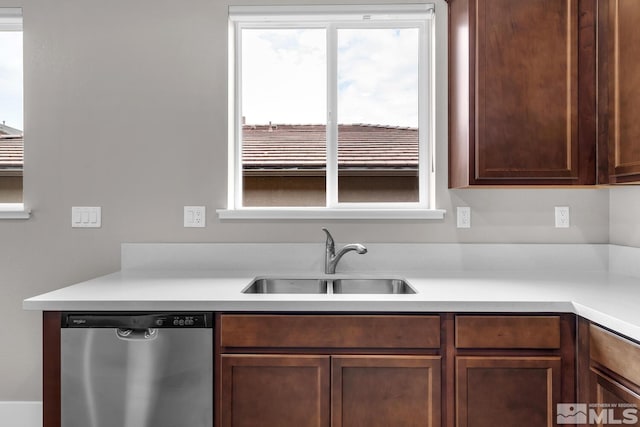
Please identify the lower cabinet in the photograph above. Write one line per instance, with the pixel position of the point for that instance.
(385, 391)
(507, 391)
(462, 370)
(614, 378)
(275, 390)
(288, 370)
(294, 390)
(612, 402)
(512, 370)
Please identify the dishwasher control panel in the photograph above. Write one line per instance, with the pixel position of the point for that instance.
(137, 320)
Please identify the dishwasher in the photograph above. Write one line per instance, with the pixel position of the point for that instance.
(137, 369)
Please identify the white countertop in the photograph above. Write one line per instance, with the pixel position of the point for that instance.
(608, 299)
(598, 282)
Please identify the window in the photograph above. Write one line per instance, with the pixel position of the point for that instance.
(11, 122)
(331, 107)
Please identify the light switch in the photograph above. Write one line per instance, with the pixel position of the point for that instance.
(194, 216)
(86, 217)
(76, 216)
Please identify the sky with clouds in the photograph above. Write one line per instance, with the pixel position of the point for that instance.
(11, 79)
(284, 76)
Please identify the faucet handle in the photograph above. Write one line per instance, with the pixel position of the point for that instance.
(330, 243)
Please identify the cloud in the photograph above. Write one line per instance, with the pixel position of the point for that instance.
(378, 76)
(284, 76)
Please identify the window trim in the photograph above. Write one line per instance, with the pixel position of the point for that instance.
(11, 20)
(14, 211)
(314, 213)
(341, 16)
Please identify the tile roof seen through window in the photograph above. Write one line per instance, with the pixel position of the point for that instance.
(11, 149)
(303, 147)
(295, 146)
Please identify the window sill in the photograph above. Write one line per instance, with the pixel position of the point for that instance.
(14, 211)
(320, 213)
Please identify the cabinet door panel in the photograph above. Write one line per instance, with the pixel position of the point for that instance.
(507, 391)
(613, 398)
(522, 92)
(385, 391)
(275, 391)
(526, 82)
(619, 87)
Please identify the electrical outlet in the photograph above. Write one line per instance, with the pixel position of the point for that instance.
(194, 216)
(463, 215)
(562, 217)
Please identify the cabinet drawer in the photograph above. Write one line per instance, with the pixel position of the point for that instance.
(330, 331)
(615, 353)
(508, 332)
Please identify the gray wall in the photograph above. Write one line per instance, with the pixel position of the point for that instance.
(624, 214)
(126, 108)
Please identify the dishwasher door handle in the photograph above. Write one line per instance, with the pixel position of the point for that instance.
(147, 334)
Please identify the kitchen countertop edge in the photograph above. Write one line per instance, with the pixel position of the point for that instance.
(603, 298)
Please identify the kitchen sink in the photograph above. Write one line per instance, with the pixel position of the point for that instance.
(267, 285)
(329, 285)
(372, 286)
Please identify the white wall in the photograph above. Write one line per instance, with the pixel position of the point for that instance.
(125, 108)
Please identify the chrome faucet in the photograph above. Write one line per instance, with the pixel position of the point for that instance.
(331, 258)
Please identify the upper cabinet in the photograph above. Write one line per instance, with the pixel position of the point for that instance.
(522, 92)
(619, 91)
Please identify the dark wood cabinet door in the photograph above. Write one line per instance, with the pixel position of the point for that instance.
(528, 92)
(274, 391)
(612, 402)
(507, 391)
(385, 391)
(619, 87)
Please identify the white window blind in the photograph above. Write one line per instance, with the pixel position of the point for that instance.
(10, 19)
(300, 14)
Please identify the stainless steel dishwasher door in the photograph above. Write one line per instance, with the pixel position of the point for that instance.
(143, 377)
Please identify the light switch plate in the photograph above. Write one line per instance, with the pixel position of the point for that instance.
(194, 216)
(86, 217)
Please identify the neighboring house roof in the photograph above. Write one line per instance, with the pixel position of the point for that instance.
(8, 130)
(303, 147)
(11, 149)
(291, 147)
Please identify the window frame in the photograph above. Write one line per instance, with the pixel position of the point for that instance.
(11, 19)
(333, 18)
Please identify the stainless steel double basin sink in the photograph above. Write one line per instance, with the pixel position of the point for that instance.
(329, 285)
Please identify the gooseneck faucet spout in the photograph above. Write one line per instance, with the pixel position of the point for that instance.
(331, 259)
